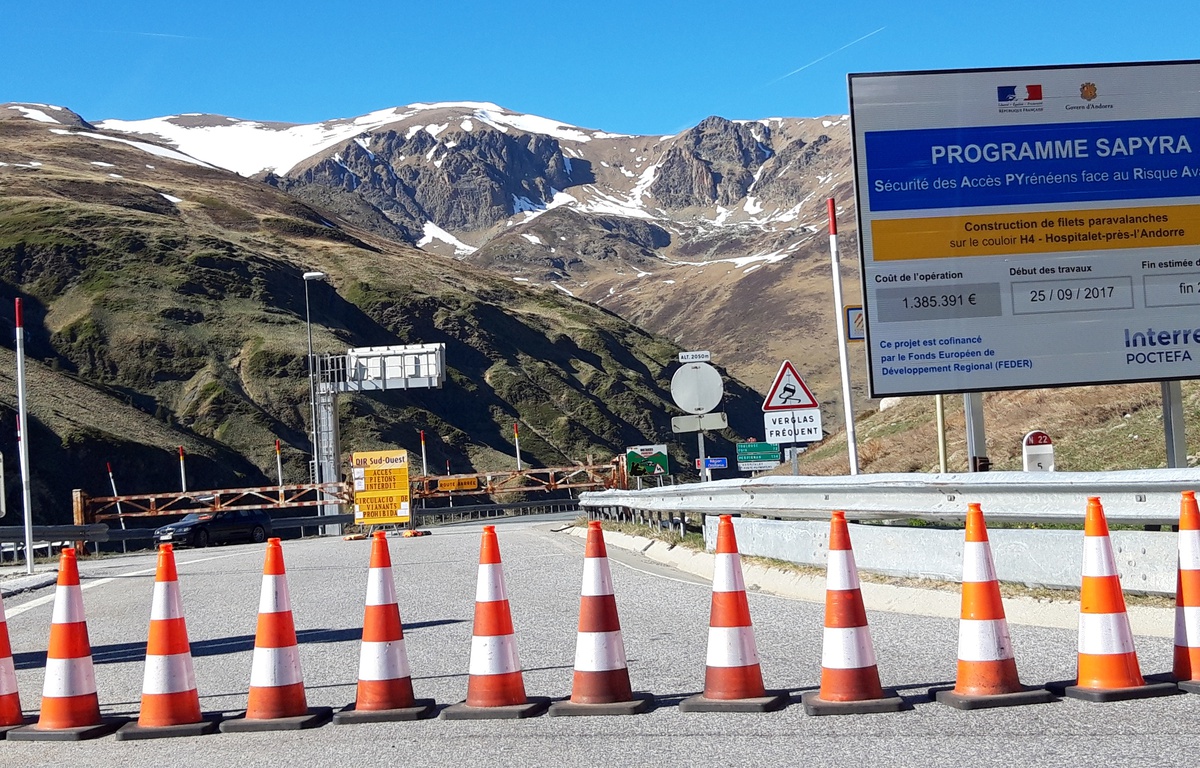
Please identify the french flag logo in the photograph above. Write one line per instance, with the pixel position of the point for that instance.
(1006, 94)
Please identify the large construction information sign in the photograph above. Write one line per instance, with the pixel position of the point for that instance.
(381, 492)
(1029, 227)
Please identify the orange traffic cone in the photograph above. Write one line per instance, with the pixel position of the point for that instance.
(277, 701)
(733, 676)
(601, 684)
(495, 685)
(170, 701)
(10, 701)
(1108, 666)
(1187, 597)
(849, 675)
(385, 690)
(70, 706)
(987, 670)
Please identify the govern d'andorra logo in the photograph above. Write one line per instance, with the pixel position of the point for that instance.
(1088, 92)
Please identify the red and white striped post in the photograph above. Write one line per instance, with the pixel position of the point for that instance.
(120, 514)
(182, 472)
(278, 462)
(23, 441)
(424, 465)
(517, 441)
(847, 404)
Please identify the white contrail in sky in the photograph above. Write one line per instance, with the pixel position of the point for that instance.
(826, 56)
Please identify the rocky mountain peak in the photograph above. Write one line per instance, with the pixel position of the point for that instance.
(713, 163)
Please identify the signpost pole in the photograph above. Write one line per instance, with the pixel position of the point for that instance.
(795, 445)
(976, 438)
(23, 441)
(843, 352)
(1173, 425)
(940, 402)
(704, 473)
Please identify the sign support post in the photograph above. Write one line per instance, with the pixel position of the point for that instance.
(976, 436)
(1173, 424)
(23, 441)
(843, 353)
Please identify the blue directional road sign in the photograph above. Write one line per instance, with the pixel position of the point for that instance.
(714, 462)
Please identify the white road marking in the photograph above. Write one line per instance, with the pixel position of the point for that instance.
(45, 599)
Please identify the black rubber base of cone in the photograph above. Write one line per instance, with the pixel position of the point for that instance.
(533, 706)
(4, 729)
(1148, 691)
(421, 709)
(210, 722)
(1189, 686)
(815, 705)
(32, 733)
(641, 702)
(774, 700)
(1029, 695)
(315, 718)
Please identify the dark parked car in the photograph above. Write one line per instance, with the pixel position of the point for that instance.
(200, 529)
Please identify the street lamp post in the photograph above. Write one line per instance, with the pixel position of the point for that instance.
(312, 384)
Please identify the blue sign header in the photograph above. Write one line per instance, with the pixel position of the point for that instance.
(1031, 164)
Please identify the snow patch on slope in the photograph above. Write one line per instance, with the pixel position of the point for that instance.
(434, 232)
(247, 147)
(37, 114)
(153, 149)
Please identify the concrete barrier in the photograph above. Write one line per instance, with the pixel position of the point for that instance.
(1047, 558)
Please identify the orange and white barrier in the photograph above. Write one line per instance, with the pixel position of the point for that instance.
(733, 679)
(10, 699)
(277, 700)
(385, 689)
(601, 681)
(1186, 668)
(987, 670)
(495, 684)
(849, 674)
(170, 701)
(70, 706)
(1108, 665)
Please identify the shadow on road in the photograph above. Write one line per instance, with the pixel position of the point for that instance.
(121, 653)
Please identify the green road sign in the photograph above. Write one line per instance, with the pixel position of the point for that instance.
(646, 460)
(757, 456)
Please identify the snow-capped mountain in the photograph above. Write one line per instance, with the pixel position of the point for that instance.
(668, 231)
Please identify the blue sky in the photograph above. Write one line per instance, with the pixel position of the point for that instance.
(631, 66)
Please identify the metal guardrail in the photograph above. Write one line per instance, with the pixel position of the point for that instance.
(483, 511)
(1137, 497)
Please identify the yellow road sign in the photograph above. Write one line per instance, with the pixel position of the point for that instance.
(381, 492)
(458, 484)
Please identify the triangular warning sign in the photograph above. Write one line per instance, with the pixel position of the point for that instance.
(789, 391)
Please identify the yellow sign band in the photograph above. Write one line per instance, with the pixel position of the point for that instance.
(1003, 234)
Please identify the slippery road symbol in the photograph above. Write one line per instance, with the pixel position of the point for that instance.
(789, 391)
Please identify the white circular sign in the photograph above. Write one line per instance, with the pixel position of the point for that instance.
(697, 388)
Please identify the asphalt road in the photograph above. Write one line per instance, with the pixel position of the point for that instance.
(664, 617)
